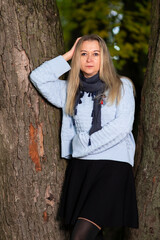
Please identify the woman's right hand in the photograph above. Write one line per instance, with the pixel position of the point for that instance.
(68, 55)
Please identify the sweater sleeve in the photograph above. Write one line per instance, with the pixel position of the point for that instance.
(113, 132)
(46, 79)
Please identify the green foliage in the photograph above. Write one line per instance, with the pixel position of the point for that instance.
(133, 35)
(82, 17)
(103, 17)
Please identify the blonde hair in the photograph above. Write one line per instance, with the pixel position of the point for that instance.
(107, 74)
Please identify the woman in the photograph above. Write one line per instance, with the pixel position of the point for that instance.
(98, 114)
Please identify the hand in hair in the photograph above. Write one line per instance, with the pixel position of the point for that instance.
(68, 55)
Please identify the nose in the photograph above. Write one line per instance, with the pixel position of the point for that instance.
(89, 58)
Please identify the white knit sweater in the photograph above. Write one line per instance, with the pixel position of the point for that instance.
(113, 142)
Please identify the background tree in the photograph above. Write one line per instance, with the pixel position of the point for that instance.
(148, 143)
(31, 172)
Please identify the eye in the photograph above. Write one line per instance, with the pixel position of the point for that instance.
(83, 54)
(96, 54)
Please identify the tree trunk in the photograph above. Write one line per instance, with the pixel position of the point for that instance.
(31, 171)
(148, 144)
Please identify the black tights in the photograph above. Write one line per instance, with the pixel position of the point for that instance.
(85, 230)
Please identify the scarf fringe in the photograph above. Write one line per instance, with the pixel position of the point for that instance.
(89, 142)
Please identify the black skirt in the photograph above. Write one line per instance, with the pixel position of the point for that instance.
(102, 191)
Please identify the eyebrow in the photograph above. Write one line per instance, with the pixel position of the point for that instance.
(93, 51)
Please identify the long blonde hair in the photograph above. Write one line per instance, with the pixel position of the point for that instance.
(107, 74)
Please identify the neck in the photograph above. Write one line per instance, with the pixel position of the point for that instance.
(92, 84)
(89, 79)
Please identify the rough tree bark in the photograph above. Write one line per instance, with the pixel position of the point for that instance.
(31, 172)
(148, 144)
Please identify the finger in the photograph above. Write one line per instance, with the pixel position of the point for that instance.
(73, 48)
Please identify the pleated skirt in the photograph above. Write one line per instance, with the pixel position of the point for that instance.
(102, 191)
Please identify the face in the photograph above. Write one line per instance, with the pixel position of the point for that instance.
(90, 58)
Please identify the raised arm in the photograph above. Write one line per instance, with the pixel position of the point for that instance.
(46, 78)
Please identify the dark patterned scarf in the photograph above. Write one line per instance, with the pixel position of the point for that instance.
(94, 87)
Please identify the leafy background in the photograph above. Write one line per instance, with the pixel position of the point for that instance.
(124, 25)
